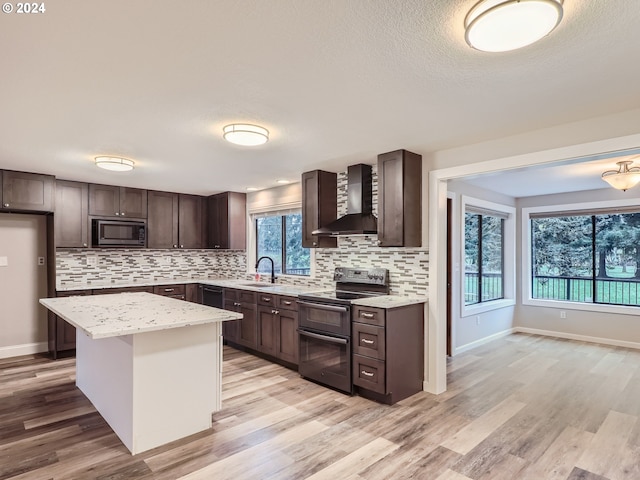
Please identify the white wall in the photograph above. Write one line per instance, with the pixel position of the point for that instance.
(606, 327)
(23, 321)
(471, 329)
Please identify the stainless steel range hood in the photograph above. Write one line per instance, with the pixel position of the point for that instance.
(359, 219)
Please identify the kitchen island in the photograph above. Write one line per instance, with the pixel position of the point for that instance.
(151, 365)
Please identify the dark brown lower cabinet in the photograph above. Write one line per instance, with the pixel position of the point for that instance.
(193, 292)
(388, 352)
(244, 331)
(269, 326)
(62, 335)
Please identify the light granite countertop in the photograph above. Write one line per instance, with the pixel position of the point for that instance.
(275, 288)
(102, 316)
(390, 301)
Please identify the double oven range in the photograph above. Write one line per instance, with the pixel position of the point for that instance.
(325, 325)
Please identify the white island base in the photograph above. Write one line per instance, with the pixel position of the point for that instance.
(153, 387)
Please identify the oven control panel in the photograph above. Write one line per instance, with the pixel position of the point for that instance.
(369, 276)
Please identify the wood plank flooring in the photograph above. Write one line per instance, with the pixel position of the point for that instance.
(522, 407)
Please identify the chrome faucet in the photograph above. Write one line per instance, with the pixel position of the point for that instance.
(273, 268)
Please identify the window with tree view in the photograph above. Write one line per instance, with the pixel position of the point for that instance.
(587, 258)
(280, 237)
(484, 258)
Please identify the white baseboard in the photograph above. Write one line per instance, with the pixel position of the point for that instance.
(581, 338)
(26, 349)
(482, 341)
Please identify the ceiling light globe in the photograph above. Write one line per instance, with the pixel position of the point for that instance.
(245, 134)
(503, 25)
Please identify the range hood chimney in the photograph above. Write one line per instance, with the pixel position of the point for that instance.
(359, 219)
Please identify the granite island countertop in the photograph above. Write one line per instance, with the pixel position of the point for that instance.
(103, 316)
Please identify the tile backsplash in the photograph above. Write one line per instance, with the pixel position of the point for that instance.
(82, 267)
(408, 267)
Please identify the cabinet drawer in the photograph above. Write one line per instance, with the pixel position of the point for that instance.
(372, 316)
(286, 303)
(170, 290)
(369, 373)
(246, 296)
(369, 340)
(230, 294)
(267, 299)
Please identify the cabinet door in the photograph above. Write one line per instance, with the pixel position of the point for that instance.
(70, 218)
(399, 199)
(162, 221)
(193, 292)
(267, 319)
(133, 202)
(287, 336)
(231, 328)
(248, 325)
(27, 191)
(319, 207)
(190, 231)
(104, 200)
(227, 222)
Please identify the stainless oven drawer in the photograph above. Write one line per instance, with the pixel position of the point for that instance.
(330, 319)
(325, 359)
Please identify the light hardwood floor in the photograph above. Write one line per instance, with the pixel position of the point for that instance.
(522, 407)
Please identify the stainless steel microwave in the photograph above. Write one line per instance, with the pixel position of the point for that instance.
(118, 233)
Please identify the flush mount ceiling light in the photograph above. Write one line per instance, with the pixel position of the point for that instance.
(245, 134)
(116, 164)
(503, 25)
(623, 178)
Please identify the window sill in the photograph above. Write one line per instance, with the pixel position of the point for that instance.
(585, 307)
(468, 310)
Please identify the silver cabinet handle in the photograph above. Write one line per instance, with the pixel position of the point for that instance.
(117, 214)
(168, 289)
(364, 340)
(181, 246)
(216, 246)
(378, 242)
(277, 312)
(314, 243)
(366, 374)
(122, 214)
(266, 299)
(286, 302)
(6, 204)
(175, 246)
(367, 315)
(84, 244)
(236, 304)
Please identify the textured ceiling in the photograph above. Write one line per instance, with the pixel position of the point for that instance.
(336, 82)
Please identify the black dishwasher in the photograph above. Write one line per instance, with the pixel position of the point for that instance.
(212, 296)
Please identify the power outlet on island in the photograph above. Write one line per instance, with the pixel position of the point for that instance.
(477, 319)
(92, 261)
(563, 314)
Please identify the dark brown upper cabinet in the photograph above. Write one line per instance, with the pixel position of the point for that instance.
(23, 191)
(175, 220)
(399, 199)
(113, 201)
(191, 221)
(227, 221)
(71, 221)
(319, 207)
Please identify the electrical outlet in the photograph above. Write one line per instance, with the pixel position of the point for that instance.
(563, 314)
(477, 319)
(40, 261)
(167, 260)
(92, 260)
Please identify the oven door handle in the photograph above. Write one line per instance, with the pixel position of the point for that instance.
(325, 338)
(323, 306)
